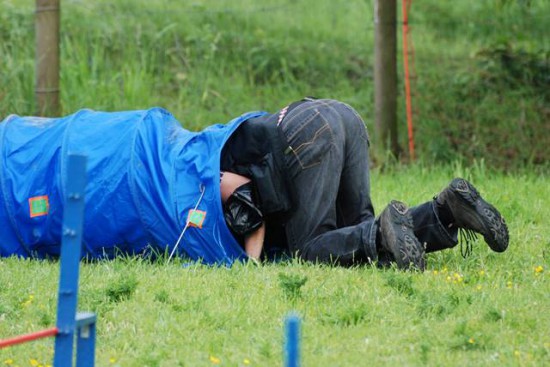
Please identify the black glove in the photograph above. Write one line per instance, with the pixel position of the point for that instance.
(241, 213)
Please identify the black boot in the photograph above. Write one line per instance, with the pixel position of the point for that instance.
(461, 206)
(397, 237)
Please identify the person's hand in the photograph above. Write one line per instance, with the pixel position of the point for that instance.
(254, 243)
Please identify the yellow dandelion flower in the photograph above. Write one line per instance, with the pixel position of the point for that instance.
(444, 270)
(479, 287)
(516, 353)
(28, 301)
(33, 362)
(246, 361)
(509, 284)
(8, 362)
(112, 360)
(539, 269)
(435, 272)
(481, 273)
(448, 278)
(215, 360)
(471, 341)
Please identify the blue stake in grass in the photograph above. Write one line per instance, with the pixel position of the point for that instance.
(292, 341)
(68, 321)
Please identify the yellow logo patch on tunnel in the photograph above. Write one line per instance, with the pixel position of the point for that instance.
(39, 206)
(195, 218)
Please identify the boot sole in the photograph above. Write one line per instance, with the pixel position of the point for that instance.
(396, 226)
(496, 232)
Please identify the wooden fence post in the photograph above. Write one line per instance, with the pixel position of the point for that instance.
(47, 57)
(385, 74)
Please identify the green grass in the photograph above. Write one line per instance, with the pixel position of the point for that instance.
(487, 309)
(482, 71)
(481, 101)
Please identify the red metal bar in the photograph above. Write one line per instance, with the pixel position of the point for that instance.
(405, 6)
(28, 337)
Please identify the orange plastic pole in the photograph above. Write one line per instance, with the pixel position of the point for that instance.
(407, 76)
(28, 337)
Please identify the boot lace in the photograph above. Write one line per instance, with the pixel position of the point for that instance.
(466, 237)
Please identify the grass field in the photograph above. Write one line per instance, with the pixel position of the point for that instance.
(207, 61)
(487, 309)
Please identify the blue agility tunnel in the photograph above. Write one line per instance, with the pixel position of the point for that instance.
(147, 178)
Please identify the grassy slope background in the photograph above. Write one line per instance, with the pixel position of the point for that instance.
(482, 67)
(481, 102)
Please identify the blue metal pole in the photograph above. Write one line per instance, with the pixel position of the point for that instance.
(85, 340)
(292, 345)
(71, 242)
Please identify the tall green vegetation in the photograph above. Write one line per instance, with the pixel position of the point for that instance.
(480, 92)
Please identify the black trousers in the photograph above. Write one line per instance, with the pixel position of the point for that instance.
(328, 166)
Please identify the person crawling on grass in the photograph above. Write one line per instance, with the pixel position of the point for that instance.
(295, 183)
